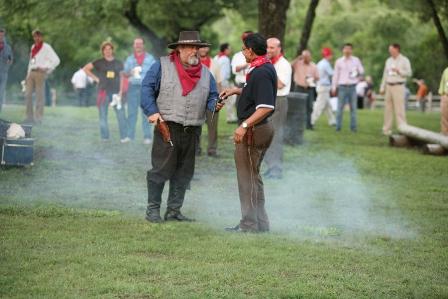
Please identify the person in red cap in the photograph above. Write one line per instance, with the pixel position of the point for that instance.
(323, 89)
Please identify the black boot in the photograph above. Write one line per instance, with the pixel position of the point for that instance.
(175, 201)
(154, 199)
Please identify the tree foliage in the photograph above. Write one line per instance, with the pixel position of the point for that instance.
(76, 28)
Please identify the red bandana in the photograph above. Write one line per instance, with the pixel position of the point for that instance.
(139, 57)
(220, 54)
(36, 48)
(259, 61)
(2, 45)
(207, 61)
(276, 58)
(188, 77)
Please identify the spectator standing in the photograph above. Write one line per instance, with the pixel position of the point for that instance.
(106, 72)
(135, 68)
(422, 93)
(306, 76)
(43, 61)
(347, 71)
(274, 154)
(443, 91)
(6, 59)
(212, 124)
(323, 89)
(80, 82)
(396, 70)
(223, 60)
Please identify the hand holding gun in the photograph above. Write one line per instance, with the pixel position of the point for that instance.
(217, 106)
(164, 131)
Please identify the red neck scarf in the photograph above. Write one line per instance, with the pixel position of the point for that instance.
(188, 77)
(276, 58)
(259, 61)
(207, 61)
(2, 45)
(36, 48)
(220, 54)
(139, 57)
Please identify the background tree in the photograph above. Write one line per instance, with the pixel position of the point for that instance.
(272, 18)
(435, 10)
(307, 26)
(76, 28)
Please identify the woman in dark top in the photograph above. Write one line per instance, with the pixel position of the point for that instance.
(106, 72)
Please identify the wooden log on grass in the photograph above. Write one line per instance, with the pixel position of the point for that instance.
(426, 136)
(398, 140)
(434, 149)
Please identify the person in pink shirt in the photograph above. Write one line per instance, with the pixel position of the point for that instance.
(347, 71)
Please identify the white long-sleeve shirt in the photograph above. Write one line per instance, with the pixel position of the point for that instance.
(238, 60)
(284, 73)
(224, 65)
(80, 79)
(46, 58)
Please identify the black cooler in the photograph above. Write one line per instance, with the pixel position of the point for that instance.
(16, 152)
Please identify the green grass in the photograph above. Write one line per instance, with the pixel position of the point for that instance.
(353, 218)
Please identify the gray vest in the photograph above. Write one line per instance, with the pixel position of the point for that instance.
(187, 110)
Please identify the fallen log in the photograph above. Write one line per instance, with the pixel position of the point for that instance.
(398, 140)
(434, 149)
(426, 136)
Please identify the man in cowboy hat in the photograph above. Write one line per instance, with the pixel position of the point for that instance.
(177, 90)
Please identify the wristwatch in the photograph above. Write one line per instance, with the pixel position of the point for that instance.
(244, 125)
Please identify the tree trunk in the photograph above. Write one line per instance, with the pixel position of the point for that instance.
(272, 18)
(306, 32)
(158, 44)
(438, 24)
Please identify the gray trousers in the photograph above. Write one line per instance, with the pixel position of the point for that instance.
(248, 159)
(274, 155)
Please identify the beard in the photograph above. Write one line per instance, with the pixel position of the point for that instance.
(193, 60)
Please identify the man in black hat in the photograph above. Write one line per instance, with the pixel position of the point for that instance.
(177, 90)
(254, 135)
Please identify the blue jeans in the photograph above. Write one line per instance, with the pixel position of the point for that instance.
(346, 95)
(134, 97)
(3, 79)
(121, 119)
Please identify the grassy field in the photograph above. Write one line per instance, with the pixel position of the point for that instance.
(352, 218)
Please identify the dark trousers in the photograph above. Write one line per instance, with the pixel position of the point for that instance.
(248, 159)
(81, 94)
(172, 163)
(309, 102)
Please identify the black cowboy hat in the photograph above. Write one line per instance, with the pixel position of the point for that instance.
(189, 38)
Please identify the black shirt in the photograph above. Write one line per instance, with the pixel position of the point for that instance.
(260, 91)
(109, 74)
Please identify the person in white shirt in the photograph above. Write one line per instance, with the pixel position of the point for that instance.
(274, 155)
(396, 70)
(80, 81)
(223, 60)
(43, 61)
(323, 89)
(239, 67)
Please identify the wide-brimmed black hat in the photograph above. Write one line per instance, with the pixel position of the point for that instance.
(189, 38)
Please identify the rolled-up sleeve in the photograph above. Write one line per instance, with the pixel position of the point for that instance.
(150, 89)
(212, 95)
